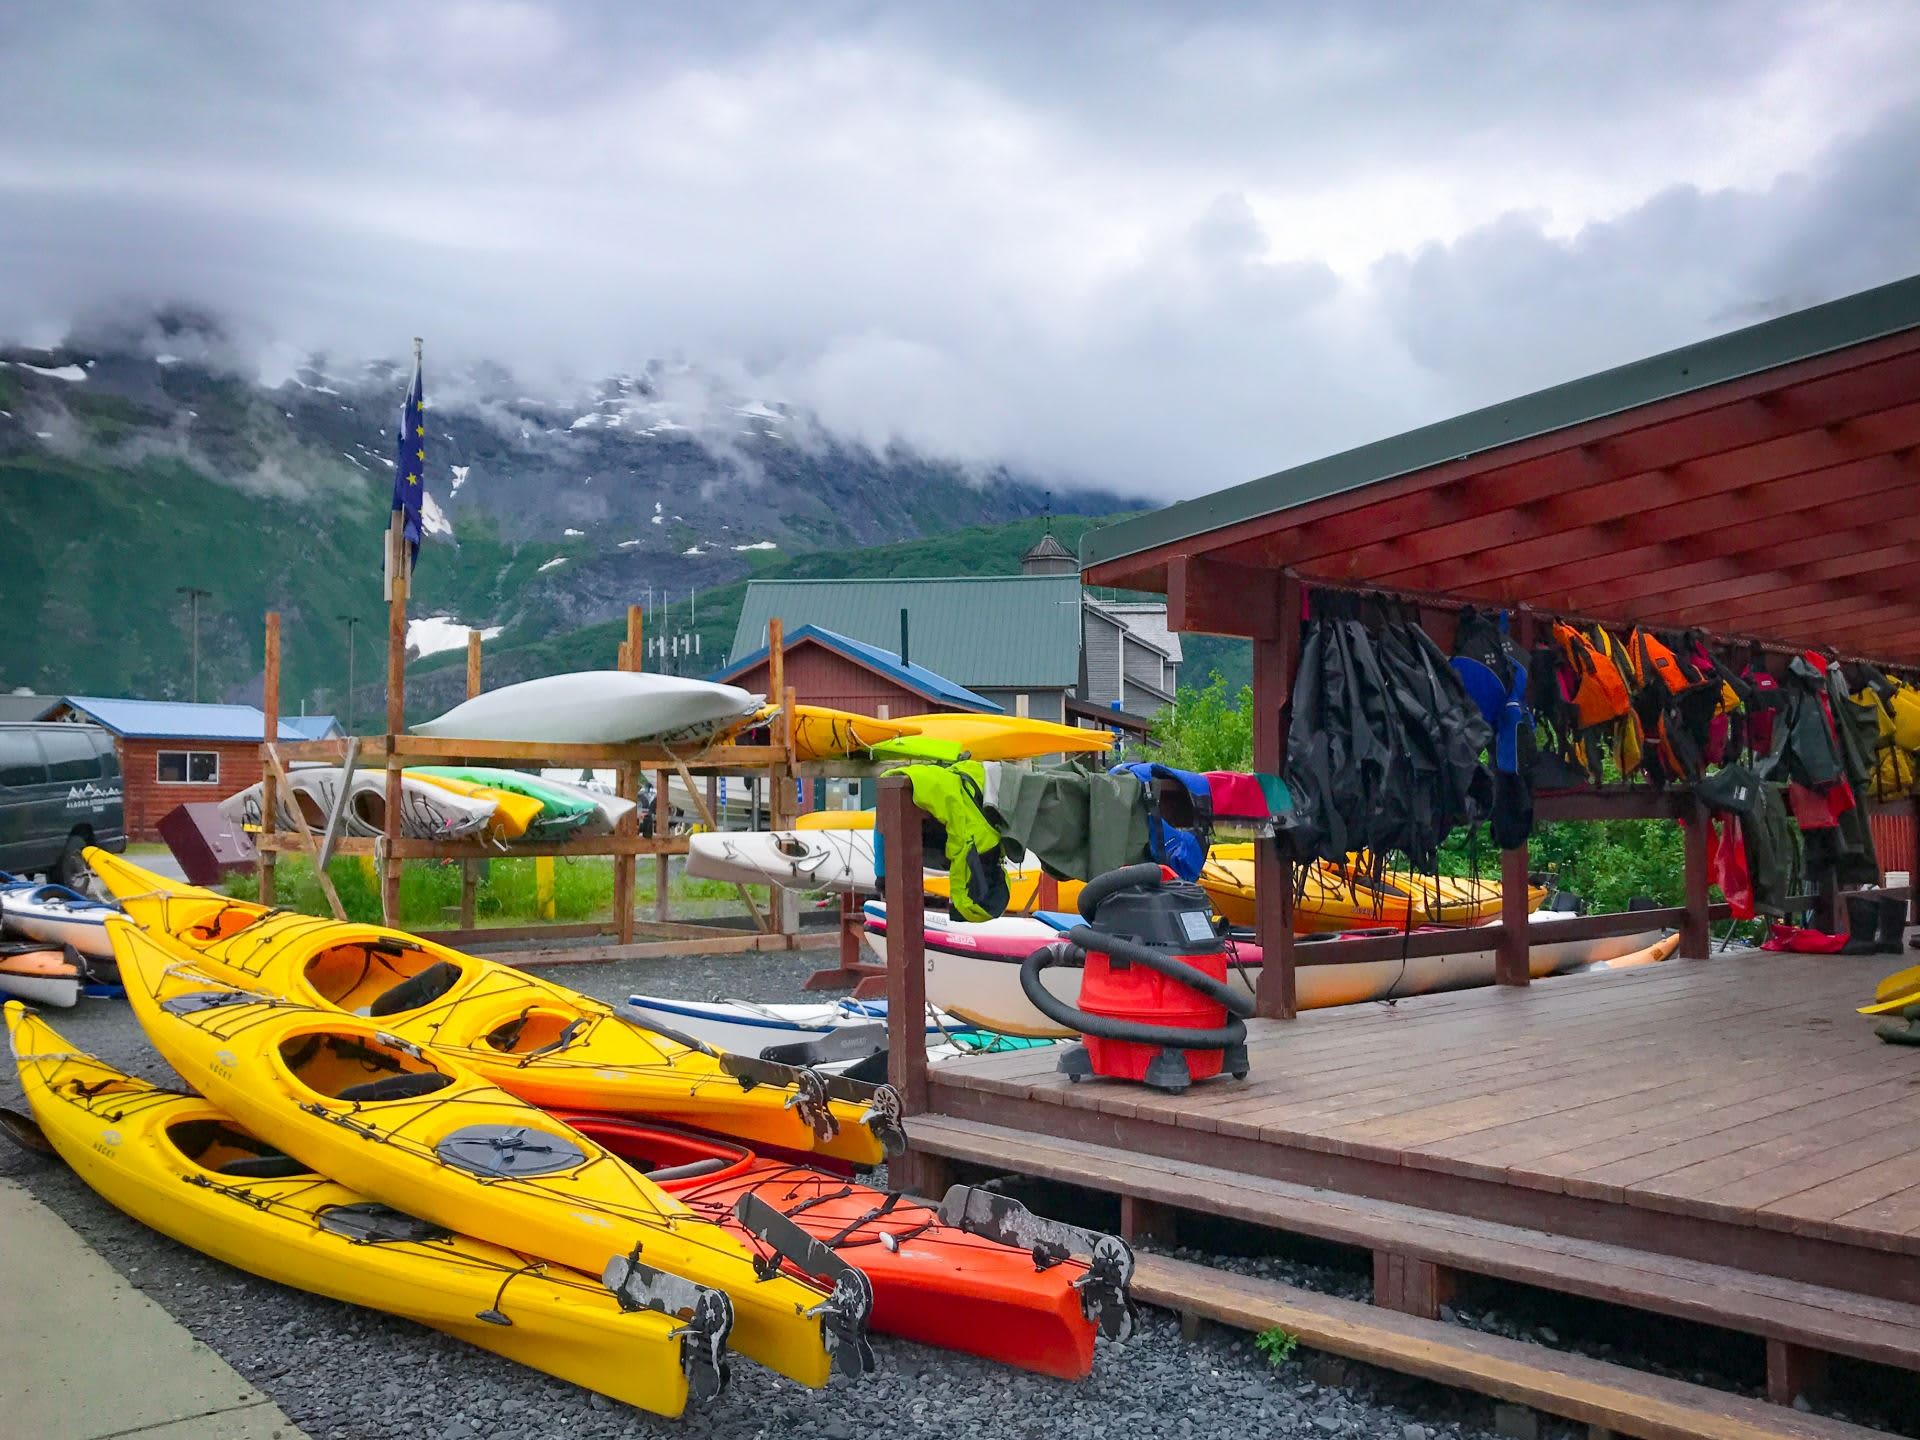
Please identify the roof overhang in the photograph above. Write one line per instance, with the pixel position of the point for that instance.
(1764, 483)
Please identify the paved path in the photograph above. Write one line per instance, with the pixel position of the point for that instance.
(85, 1356)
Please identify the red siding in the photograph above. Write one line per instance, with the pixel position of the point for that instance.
(1893, 838)
(821, 677)
(148, 799)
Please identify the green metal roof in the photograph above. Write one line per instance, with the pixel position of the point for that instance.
(1802, 335)
(1000, 631)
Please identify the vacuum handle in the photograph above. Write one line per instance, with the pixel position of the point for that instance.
(1146, 876)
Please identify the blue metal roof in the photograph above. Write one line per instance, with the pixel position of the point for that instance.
(313, 727)
(179, 720)
(910, 676)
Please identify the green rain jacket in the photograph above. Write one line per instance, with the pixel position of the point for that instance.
(952, 797)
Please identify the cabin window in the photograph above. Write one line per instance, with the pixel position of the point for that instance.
(187, 767)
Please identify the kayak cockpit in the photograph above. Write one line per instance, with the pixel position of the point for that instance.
(222, 1148)
(537, 1030)
(361, 1069)
(380, 976)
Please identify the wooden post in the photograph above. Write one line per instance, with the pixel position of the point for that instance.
(1793, 1371)
(627, 781)
(271, 753)
(470, 869)
(1410, 1285)
(1694, 934)
(905, 890)
(269, 784)
(396, 715)
(662, 911)
(1510, 963)
(1274, 661)
(782, 905)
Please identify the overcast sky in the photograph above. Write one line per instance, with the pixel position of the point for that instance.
(1164, 247)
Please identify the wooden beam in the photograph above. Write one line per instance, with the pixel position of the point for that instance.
(627, 786)
(899, 823)
(269, 733)
(307, 841)
(470, 869)
(1694, 932)
(1275, 658)
(1215, 597)
(1510, 963)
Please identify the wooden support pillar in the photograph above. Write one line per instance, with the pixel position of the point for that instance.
(905, 887)
(1148, 1221)
(398, 567)
(627, 783)
(470, 869)
(1694, 934)
(269, 782)
(662, 909)
(783, 906)
(1411, 1286)
(1274, 660)
(1794, 1370)
(1913, 865)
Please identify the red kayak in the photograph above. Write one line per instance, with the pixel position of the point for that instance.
(1028, 1292)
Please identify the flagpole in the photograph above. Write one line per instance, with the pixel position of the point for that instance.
(399, 572)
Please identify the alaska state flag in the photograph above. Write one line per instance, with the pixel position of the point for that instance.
(410, 464)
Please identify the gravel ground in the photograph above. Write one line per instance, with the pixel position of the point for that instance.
(343, 1373)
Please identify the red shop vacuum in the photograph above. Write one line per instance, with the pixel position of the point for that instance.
(1155, 1005)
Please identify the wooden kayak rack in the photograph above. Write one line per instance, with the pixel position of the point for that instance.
(774, 923)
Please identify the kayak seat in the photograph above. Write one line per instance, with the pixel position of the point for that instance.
(422, 989)
(264, 1167)
(396, 1087)
(687, 1171)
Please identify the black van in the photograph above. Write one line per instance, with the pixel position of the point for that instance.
(59, 792)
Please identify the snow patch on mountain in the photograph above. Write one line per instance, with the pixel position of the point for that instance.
(431, 634)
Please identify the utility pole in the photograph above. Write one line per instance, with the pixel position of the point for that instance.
(352, 620)
(194, 596)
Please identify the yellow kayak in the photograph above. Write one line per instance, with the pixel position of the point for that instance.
(1335, 899)
(412, 1128)
(512, 813)
(184, 1167)
(545, 1043)
(1011, 737)
(823, 734)
(836, 820)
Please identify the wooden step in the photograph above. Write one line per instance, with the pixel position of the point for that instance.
(1602, 1395)
(1787, 1313)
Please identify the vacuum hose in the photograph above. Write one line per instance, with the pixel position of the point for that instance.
(1083, 938)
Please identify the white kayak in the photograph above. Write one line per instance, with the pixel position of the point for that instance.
(597, 707)
(40, 977)
(791, 859)
(608, 810)
(55, 915)
(428, 811)
(974, 977)
(748, 1028)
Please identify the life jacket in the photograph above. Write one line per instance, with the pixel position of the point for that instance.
(953, 798)
(1599, 691)
(1666, 698)
(1905, 708)
(1626, 738)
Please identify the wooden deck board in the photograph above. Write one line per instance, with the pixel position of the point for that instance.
(1740, 1089)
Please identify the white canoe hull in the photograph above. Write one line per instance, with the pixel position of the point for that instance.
(746, 1028)
(596, 707)
(428, 812)
(835, 860)
(56, 925)
(608, 810)
(40, 990)
(985, 990)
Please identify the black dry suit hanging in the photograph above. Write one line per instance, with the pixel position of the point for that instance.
(1338, 752)
(1383, 753)
(1442, 734)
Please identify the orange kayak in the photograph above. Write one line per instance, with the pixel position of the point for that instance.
(933, 1282)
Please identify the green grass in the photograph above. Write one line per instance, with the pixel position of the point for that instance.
(1276, 1344)
(430, 892)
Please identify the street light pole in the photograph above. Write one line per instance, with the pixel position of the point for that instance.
(352, 620)
(194, 596)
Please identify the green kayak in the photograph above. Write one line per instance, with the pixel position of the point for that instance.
(561, 813)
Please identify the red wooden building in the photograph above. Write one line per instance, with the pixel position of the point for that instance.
(173, 753)
(829, 669)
